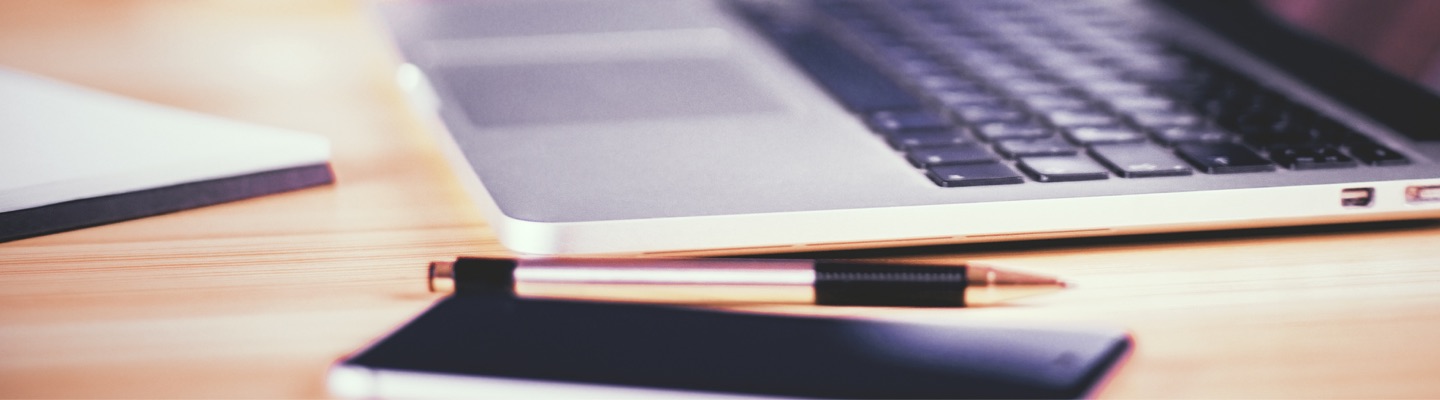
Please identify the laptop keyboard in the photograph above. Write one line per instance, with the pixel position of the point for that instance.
(984, 92)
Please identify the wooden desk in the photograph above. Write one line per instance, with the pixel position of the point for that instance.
(255, 298)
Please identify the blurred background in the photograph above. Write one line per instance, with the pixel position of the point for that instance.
(1401, 35)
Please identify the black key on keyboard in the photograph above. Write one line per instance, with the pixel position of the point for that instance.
(1139, 160)
(992, 173)
(1375, 154)
(1267, 140)
(1032, 87)
(950, 83)
(893, 121)
(1223, 158)
(1164, 119)
(1139, 103)
(966, 97)
(983, 114)
(1108, 88)
(1088, 135)
(927, 138)
(1310, 157)
(1202, 134)
(1066, 119)
(1013, 130)
(1052, 146)
(1062, 169)
(1057, 102)
(1333, 133)
(966, 153)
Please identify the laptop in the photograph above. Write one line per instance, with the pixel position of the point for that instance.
(669, 127)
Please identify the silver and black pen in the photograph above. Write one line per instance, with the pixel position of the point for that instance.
(739, 280)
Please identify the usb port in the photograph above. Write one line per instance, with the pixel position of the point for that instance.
(1422, 194)
(1357, 197)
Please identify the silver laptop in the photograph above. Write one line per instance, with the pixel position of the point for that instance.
(655, 127)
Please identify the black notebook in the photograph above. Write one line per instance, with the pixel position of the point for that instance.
(471, 346)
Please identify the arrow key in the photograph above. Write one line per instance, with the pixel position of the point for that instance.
(1062, 169)
(991, 173)
(1223, 158)
(1139, 160)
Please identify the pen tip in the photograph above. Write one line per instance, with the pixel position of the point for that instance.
(989, 285)
(442, 277)
(984, 275)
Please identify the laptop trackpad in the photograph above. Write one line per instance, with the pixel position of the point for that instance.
(495, 95)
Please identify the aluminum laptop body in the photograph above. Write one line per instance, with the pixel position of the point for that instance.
(654, 127)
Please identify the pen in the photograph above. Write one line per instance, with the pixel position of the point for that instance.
(737, 280)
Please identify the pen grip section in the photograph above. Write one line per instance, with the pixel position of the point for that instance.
(858, 284)
(484, 275)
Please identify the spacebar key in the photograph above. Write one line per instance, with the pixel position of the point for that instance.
(856, 83)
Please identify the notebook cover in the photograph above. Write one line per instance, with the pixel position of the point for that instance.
(479, 345)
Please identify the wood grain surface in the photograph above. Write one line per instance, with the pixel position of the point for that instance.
(253, 299)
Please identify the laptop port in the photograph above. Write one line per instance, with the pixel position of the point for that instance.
(1422, 194)
(1357, 197)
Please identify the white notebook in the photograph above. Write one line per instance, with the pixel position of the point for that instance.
(72, 157)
